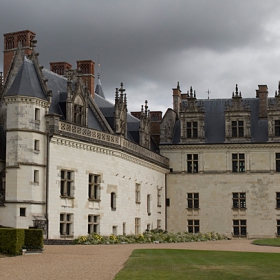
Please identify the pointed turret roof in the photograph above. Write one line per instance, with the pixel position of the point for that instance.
(98, 88)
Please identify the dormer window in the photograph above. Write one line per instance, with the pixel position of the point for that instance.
(78, 112)
(237, 128)
(277, 127)
(191, 129)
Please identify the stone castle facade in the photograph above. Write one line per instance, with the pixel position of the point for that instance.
(73, 163)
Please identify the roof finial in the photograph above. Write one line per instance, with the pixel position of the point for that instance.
(236, 90)
(178, 85)
(98, 64)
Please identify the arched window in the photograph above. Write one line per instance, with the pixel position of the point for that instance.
(113, 201)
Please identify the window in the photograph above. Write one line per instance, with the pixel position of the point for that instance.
(158, 223)
(36, 145)
(238, 162)
(193, 226)
(66, 183)
(278, 227)
(137, 193)
(124, 228)
(93, 224)
(94, 187)
(149, 227)
(36, 176)
(277, 156)
(278, 200)
(192, 163)
(137, 225)
(277, 128)
(113, 201)
(66, 224)
(37, 115)
(239, 200)
(159, 197)
(149, 204)
(115, 230)
(78, 111)
(239, 228)
(237, 128)
(193, 200)
(191, 129)
(22, 212)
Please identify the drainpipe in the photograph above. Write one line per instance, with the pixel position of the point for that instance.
(47, 183)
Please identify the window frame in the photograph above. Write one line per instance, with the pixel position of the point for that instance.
(113, 201)
(93, 223)
(193, 226)
(238, 226)
(149, 204)
(192, 163)
(239, 200)
(192, 129)
(193, 201)
(137, 225)
(277, 200)
(67, 184)
(237, 128)
(137, 193)
(66, 225)
(238, 163)
(277, 162)
(94, 181)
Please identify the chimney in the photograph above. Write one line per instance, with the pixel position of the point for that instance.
(177, 98)
(12, 42)
(262, 94)
(87, 69)
(60, 67)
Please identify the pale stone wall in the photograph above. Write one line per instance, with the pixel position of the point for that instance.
(215, 184)
(119, 173)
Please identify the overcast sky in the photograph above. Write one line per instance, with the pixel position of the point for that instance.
(149, 45)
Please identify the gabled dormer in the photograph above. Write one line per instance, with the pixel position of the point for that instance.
(120, 115)
(237, 119)
(191, 119)
(273, 117)
(77, 99)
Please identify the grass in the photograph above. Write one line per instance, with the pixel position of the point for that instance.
(199, 265)
(268, 242)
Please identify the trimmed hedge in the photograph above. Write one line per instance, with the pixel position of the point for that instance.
(33, 239)
(12, 240)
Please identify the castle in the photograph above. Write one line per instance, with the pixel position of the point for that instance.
(73, 163)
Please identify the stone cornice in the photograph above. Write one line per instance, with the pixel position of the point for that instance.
(224, 146)
(110, 151)
(26, 130)
(24, 201)
(27, 100)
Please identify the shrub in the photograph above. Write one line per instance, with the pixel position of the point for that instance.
(11, 240)
(33, 239)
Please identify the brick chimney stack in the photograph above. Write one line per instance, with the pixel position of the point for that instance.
(11, 43)
(60, 67)
(87, 69)
(262, 94)
(177, 99)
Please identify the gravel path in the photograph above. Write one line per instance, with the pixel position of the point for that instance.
(100, 261)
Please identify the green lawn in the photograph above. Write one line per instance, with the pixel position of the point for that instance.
(268, 242)
(199, 265)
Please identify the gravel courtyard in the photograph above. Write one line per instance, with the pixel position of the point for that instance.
(100, 261)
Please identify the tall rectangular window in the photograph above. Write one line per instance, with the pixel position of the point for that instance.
(239, 228)
(22, 212)
(124, 228)
(137, 193)
(192, 130)
(192, 163)
(238, 162)
(66, 221)
(278, 200)
(277, 128)
(193, 226)
(137, 225)
(94, 187)
(93, 224)
(278, 227)
(193, 200)
(36, 145)
(239, 200)
(237, 128)
(149, 204)
(158, 223)
(36, 176)
(113, 201)
(277, 162)
(78, 111)
(159, 197)
(37, 114)
(66, 183)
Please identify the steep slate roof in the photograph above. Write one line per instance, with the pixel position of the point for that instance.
(26, 82)
(215, 121)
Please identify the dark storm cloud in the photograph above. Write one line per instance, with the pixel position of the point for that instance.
(150, 45)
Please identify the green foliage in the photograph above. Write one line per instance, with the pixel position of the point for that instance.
(157, 236)
(267, 242)
(199, 265)
(33, 239)
(11, 240)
